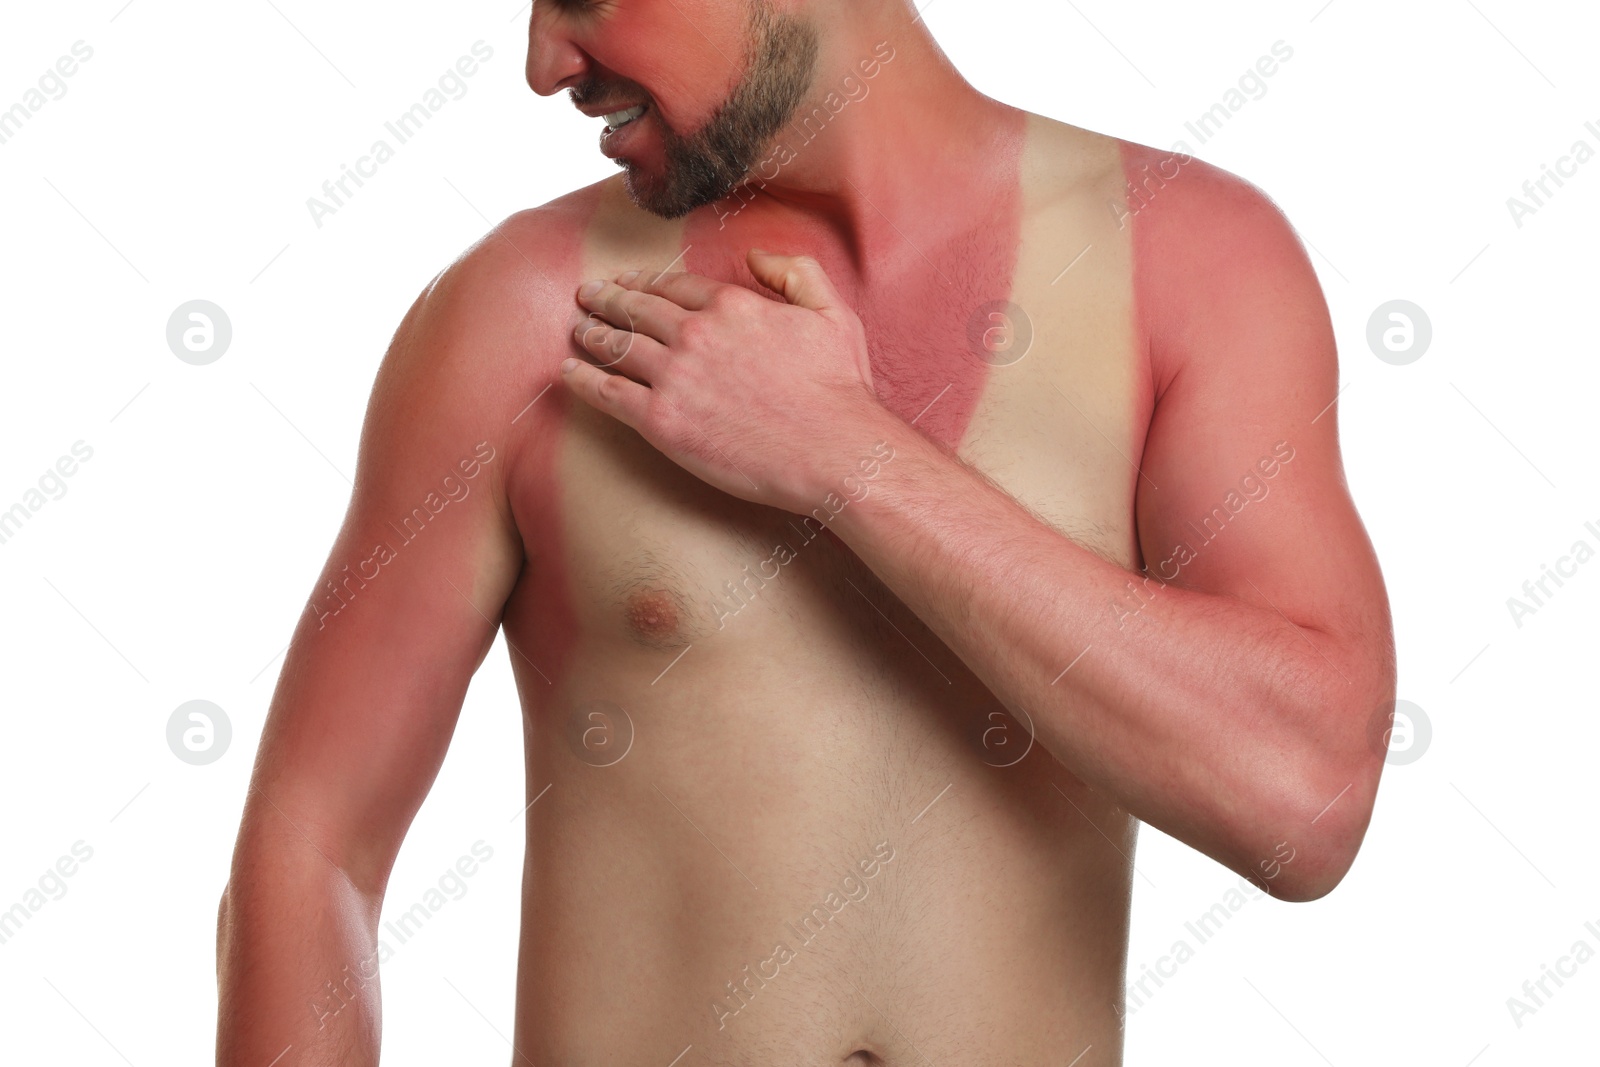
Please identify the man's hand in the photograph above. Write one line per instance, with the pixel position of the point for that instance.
(770, 402)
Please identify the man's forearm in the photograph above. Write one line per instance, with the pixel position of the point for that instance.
(297, 962)
(1218, 721)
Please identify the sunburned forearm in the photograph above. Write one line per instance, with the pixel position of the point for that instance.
(1212, 718)
(297, 964)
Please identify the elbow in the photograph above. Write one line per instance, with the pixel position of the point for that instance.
(1318, 802)
(1303, 866)
(1321, 829)
(1312, 881)
(1313, 824)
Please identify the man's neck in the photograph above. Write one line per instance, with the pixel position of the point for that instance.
(891, 138)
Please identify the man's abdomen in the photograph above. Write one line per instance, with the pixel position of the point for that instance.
(790, 854)
(777, 819)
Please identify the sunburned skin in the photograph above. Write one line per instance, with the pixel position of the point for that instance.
(797, 794)
(707, 676)
(918, 301)
(623, 581)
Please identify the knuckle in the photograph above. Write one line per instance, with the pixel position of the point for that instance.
(665, 427)
(607, 390)
(692, 332)
(624, 303)
(727, 298)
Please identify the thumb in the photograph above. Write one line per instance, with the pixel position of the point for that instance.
(799, 279)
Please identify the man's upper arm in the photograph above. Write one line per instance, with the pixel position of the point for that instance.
(1243, 443)
(411, 596)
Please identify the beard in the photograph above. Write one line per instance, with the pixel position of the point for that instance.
(705, 166)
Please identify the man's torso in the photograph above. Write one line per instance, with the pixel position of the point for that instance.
(777, 820)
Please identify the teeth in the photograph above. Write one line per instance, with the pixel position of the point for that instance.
(622, 118)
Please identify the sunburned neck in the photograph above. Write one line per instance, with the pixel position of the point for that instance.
(892, 141)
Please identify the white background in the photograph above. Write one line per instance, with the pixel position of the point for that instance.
(177, 166)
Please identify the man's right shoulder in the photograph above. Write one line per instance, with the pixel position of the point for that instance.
(496, 316)
(487, 335)
(520, 261)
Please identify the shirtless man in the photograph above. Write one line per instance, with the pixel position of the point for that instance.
(861, 594)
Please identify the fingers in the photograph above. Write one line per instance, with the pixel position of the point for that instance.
(613, 394)
(632, 310)
(636, 354)
(800, 279)
(691, 292)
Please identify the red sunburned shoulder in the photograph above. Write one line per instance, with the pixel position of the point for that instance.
(1200, 235)
(543, 249)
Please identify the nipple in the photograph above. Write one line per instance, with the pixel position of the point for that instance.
(653, 615)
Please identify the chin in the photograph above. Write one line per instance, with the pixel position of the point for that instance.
(652, 192)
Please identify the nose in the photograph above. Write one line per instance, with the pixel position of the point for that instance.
(554, 61)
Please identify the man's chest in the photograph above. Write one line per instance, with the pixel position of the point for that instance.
(1047, 403)
(1011, 339)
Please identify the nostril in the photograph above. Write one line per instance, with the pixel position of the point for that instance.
(554, 62)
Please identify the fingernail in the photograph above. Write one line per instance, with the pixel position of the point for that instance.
(568, 364)
(624, 279)
(591, 288)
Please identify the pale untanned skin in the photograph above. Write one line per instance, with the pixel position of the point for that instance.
(841, 714)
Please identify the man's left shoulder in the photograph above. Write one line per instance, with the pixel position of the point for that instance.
(1163, 195)
(1194, 215)
(1215, 264)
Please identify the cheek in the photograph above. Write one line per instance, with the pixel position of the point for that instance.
(687, 54)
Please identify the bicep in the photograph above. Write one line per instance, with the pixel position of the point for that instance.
(404, 610)
(1242, 442)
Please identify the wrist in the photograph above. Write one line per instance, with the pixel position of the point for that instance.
(874, 480)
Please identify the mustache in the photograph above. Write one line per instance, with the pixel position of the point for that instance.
(594, 91)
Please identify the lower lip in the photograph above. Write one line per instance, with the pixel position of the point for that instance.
(613, 143)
